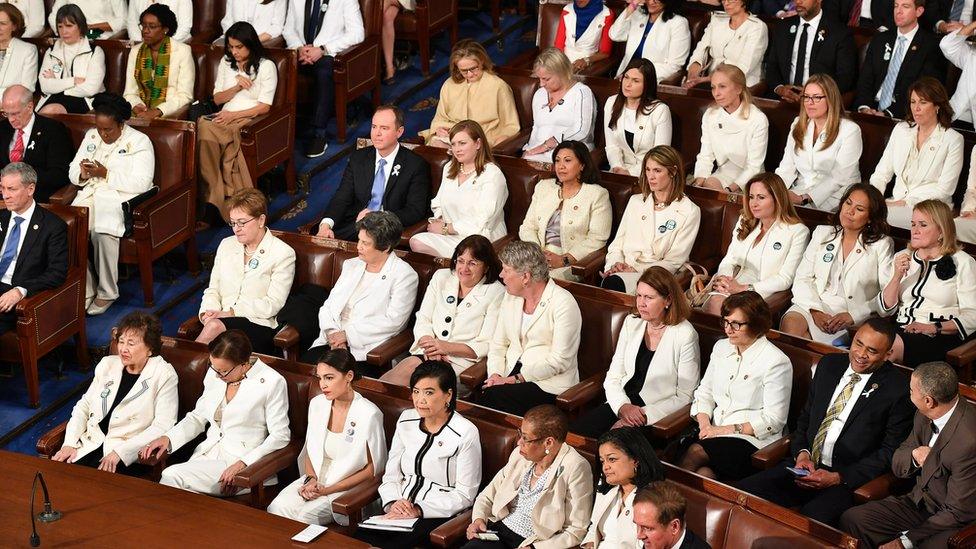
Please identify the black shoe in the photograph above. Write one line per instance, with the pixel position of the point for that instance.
(316, 147)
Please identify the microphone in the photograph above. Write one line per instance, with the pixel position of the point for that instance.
(47, 515)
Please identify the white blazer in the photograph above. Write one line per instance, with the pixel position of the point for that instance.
(588, 43)
(936, 172)
(667, 45)
(672, 376)
(753, 388)
(822, 173)
(89, 63)
(866, 271)
(253, 424)
(969, 199)
(19, 66)
(362, 432)
(182, 71)
(611, 523)
(33, 11)
(477, 206)
(733, 148)
(470, 322)
(743, 47)
(585, 223)
(548, 348)
(647, 237)
(782, 250)
(382, 311)
(924, 297)
(112, 12)
(256, 290)
(142, 416)
(183, 9)
(342, 26)
(961, 54)
(265, 18)
(652, 129)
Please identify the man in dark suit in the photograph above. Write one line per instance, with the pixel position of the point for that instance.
(940, 455)
(895, 59)
(856, 414)
(42, 142)
(385, 176)
(34, 250)
(659, 513)
(951, 15)
(869, 14)
(805, 44)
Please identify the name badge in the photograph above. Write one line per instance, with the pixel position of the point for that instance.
(661, 229)
(830, 247)
(90, 147)
(451, 299)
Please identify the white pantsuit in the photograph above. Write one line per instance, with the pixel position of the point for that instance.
(648, 237)
(650, 129)
(966, 226)
(823, 173)
(251, 426)
(573, 118)
(67, 62)
(361, 441)
(612, 522)
(671, 377)
(829, 283)
(771, 266)
(19, 65)
(733, 145)
(667, 46)
(266, 18)
(183, 9)
(743, 47)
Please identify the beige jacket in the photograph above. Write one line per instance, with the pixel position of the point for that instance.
(585, 224)
(182, 72)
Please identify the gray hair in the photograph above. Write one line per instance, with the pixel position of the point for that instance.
(27, 174)
(17, 91)
(384, 228)
(937, 380)
(526, 257)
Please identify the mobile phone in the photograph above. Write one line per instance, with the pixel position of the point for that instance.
(489, 535)
(797, 472)
(210, 116)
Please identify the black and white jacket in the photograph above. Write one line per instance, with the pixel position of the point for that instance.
(925, 297)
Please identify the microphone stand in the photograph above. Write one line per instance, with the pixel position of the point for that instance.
(47, 515)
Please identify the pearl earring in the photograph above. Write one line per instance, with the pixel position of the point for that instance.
(547, 451)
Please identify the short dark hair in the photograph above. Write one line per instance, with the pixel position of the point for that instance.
(144, 323)
(883, 326)
(931, 90)
(340, 359)
(243, 32)
(590, 173)
(232, 345)
(631, 441)
(113, 105)
(665, 496)
(165, 16)
(72, 13)
(937, 380)
(482, 250)
(755, 308)
(441, 372)
(397, 113)
(877, 227)
(384, 227)
(549, 421)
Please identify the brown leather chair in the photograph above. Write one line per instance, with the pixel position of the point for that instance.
(165, 221)
(523, 88)
(47, 319)
(428, 18)
(206, 20)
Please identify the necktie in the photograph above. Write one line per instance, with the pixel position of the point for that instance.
(835, 409)
(312, 20)
(935, 428)
(888, 86)
(855, 16)
(379, 185)
(801, 57)
(10, 250)
(17, 153)
(955, 14)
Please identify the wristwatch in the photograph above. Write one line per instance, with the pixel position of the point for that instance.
(738, 428)
(565, 262)
(938, 327)
(323, 50)
(750, 288)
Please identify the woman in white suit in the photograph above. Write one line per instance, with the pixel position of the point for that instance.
(823, 148)
(244, 410)
(33, 14)
(459, 311)
(532, 356)
(471, 198)
(107, 16)
(73, 69)
(634, 120)
(924, 154)
(655, 367)
(744, 397)
(653, 30)
(150, 95)
(569, 216)
(733, 37)
(843, 269)
(114, 164)
(374, 296)
(18, 65)
(251, 277)
(583, 33)
(767, 244)
(659, 225)
(131, 401)
(734, 134)
(266, 16)
(966, 222)
(184, 17)
(563, 109)
(345, 444)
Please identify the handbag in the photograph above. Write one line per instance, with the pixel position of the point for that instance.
(701, 284)
(131, 204)
(202, 107)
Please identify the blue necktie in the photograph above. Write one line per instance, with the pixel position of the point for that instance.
(955, 14)
(379, 185)
(312, 21)
(888, 86)
(10, 250)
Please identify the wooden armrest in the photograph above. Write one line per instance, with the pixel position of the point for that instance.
(451, 532)
(475, 375)
(190, 328)
(602, 67)
(671, 425)
(771, 454)
(513, 145)
(51, 441)
(411, 231)
(385, 352)
(351, 503)
(65, 195)
(268, 466)
(673, 80)
(964, 538)
(310, 228)
(877, 488)
(287, 337)
(587, 267)
(171, 204)
(581, 394)
(503, 241)
(962, 355)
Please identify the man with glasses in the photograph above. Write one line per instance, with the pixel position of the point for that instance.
(41, 142)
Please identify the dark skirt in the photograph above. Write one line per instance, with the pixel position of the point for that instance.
(507, 539)
(921, 348)
(74, 105)
(515, 398)
(418, 537)
(729, 457)
(596, 422)
(93, 458)
(262, 337)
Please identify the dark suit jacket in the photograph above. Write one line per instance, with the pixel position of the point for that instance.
(767, 7)
(876, 425)
(50, 155)
(833, 53)
(882, 12)
(939, 10)
(42, 263)
(407, 191)
(945, 486)
(692, 541)
(923, 58)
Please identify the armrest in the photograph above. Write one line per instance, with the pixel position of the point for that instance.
(268, 466)
(779, 302)
(584, 392)
(602, 68)
(771, 454)
(260, 123)
(385, 352)
(190, 328)
(964, 538)
(287, 337)
(673, 80)
(157, 204)
(475, 375)
(587, 267)
(671, 425)
(451, 532)
(411, 231)
(51, 441)
(877, 488)
(962, 355)
(513, 145)
(309, 228)
(351, 503)
(65, 195)
(182, 113)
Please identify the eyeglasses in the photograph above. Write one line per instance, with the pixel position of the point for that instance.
(812, 98)
(155, 27)
(239, 224)
(222, 375)
(469, 71)
(733, 325)
(523, 440)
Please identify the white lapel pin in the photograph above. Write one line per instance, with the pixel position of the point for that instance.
(396, 169)
(867, 394)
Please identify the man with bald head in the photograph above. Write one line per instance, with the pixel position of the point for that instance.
(41, 142)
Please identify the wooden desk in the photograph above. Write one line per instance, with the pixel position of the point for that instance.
(114, 511)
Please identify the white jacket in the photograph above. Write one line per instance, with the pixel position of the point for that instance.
(182, 72)
(822, 173)
(924, 297)
(611, 522)
(653, 129)
(33, 12)
(962, 54)
(937, 170)
(782, 249)
(733, 149)
(89, 64)
(667, 45)
(647, 237)
(112, 12)
(19, 66)
(588, 43)
(342, 26)
(265, 18)
(743, 47)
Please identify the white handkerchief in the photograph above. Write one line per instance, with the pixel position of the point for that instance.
(313, 531)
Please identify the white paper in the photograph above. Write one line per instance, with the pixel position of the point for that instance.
(395, 525)
(308, 534)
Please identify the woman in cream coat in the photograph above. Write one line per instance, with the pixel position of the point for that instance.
(33, 13)
(105, 15)
(659, 225)
(244, 410)
(267, 18)
(843, 269)
(634, 120)
(73, 69)
(184, 17)
(570, 216)
(114, 163)
(148, 100)
(733, 37)
(344, 445)
(666, 44)
(131, 401)
(19, 64)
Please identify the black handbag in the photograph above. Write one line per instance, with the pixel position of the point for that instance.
(131, 204)
(202, 107)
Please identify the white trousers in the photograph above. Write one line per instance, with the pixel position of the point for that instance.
(290, 504)
(105, 265)
(202, 473)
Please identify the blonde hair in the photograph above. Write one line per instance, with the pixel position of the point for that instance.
(481, 158)
(670, 158)
(835, 109)
(785, 212)
(469, 49)
(738, 78)
(941, 214)
(555, 62)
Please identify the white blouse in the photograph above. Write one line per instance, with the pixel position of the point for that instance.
(265, 18)
(743, 47)
(931, 171)
(925, 297)
(650, 130)
(69, 61)
(822, 173)
(183, 9)
(262, 91)
(112, 12)
(573, 118)
(733, 146)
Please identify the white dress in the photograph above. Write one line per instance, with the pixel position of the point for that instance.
(573, 118)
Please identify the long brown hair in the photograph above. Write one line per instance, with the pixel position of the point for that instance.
(785, 212)
(648, 99)
(877, 226)
(931, 90)
(835, 110)
(670, 158)
(482, 158)
(666, 286)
